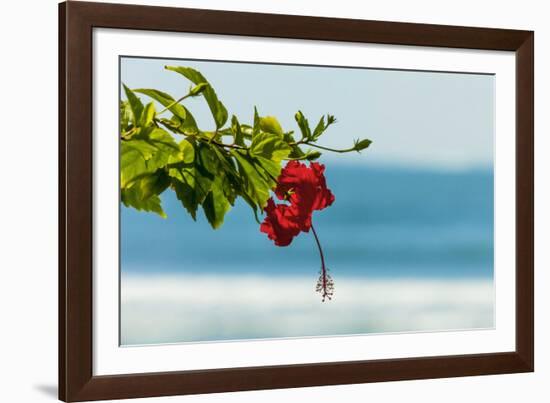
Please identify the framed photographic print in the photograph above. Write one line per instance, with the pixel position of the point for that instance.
(253, 201)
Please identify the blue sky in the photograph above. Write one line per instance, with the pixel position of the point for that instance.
(441, 121)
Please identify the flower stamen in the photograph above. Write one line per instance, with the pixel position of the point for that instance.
(325, 283)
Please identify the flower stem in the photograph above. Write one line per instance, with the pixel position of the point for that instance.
(325, 285)
(320, 248)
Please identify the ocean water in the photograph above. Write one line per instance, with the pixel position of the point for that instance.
(409, 250)
(383, 223)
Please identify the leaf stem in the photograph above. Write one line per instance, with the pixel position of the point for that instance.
(174, 103)
(210, 141)
(347, 150)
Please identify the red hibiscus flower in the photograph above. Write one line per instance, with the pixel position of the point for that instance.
(305, 189)
(279, 223)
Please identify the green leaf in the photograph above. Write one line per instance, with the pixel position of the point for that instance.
(270, 124)
(125, 116)
(217, 109)
(230, 191)
(237, 132)
(303, 124)
(216, 205)
(182, 121)
(185, 155)
(208, 158)
(130, 198)
(172, 124)
(296, 153)
(163, 141)
(320, 128)
(198, 89)
(135, 105)
(226, 162)
(270, 146)
(144, 148)
(255, 184)
(256, 128)
(361, 145)
(132, 163)
(189, 125)
(269, 169)
(233, 185)
(247, 131)
(193, 178)
(313, 155)
(151, 185)
(187, 196)
(165, 100)
(268, 150)
(147, 115)
(144, 154)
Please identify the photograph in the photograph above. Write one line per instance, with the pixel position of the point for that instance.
(264, 201)
(275, 201)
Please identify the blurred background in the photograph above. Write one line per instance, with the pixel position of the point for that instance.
(408, 240)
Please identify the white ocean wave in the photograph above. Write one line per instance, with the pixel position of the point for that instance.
(190, 308)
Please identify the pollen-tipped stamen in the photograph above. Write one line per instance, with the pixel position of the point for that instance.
(325, 284)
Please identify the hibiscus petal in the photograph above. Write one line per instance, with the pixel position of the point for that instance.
(278, 223)
(306, 189)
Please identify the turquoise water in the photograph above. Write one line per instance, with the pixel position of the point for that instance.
(384, 223)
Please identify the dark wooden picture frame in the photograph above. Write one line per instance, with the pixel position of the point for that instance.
(76, 23)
